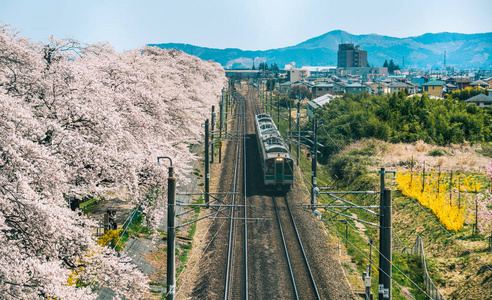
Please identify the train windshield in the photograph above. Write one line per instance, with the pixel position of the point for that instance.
(269, 167)
(289, 167)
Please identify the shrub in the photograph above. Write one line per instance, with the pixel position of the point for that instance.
(345, 167)
(437, 152)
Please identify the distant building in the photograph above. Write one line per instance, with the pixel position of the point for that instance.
(317, 103)
(284, 87)
(296, 75)
(364, 72)
(379, 88)
(479, 83)
(433, 88)
(357, 88)
(322, 88)
(351, 56)
(480, 100)
(402, 86)
(419, 80)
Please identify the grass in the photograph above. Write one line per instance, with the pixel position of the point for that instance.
(90, 204)
(456, 273)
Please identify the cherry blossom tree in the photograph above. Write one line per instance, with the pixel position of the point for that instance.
(84, 120)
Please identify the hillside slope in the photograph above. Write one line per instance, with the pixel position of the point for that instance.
(424, 51)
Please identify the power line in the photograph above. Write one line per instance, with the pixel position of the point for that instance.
(370, 245)
(446, 231)
(363, 254)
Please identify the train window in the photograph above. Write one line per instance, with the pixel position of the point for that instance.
(269, 167)
(289, 167)
(276, 149)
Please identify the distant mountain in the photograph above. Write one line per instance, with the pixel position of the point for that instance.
(425, 51)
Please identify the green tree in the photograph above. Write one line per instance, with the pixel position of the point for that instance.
(275, 69)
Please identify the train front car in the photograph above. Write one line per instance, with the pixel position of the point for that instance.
(277, 163)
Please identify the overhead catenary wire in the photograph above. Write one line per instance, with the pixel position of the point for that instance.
(446, 231)
(199, 258)
(393, 265)
(363, 254)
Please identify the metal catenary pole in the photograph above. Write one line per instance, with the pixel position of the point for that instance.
(314, 163)
(171, 231)
(298, 130)
(213, 142)
(278, 110)
(290, 126)
(207, 164)
(221, 124)
(171, 235)
(385, 255)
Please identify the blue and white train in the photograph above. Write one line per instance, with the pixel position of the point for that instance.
(276, 160)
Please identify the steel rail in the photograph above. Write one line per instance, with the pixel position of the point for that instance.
(232, 225)
(245, 210)
(284, 242)
(302, 249)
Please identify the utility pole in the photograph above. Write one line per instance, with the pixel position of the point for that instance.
(171, 231)
(314, 162)
(278, 111)
(385, 255)
(207, 165)
(213, 125)
(290, 126)
(221, 124)
(298, 130)
(226, 104)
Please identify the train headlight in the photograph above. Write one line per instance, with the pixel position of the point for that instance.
(279, 159)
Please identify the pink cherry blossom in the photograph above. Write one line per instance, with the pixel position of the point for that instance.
(84, 120)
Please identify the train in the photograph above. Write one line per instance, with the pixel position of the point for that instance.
(276, 160)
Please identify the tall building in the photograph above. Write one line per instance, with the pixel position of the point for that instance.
(351, 56)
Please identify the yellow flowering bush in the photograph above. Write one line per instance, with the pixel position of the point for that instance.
(110, 235)
(434, 194)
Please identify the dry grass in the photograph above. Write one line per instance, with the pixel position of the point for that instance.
(463, 158)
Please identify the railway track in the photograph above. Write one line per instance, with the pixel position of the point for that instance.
(300, 271)
(236, 283)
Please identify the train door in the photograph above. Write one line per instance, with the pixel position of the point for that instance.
(279, 171)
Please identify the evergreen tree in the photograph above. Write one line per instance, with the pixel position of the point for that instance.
(385, 65)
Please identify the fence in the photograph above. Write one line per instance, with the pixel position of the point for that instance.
(133, 215)
(430, 287)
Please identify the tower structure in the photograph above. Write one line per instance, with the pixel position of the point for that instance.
(350, 55)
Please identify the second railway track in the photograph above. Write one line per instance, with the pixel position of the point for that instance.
(302, 278)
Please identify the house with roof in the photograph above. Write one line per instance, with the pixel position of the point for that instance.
(480, 100)
(462, 82)
(479, 83)
(339, 87)
(433, 88)
(322, 88)
(448, 87)
(419, 80)
(488, 81)
(379, 88)
(284, 87)
(317, 103)
(357, 88)
(402, 86)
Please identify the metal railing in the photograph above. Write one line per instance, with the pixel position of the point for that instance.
(430, 287)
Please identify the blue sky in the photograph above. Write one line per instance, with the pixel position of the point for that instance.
(246, 24)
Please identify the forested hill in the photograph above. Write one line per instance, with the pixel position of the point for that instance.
(424, 51)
